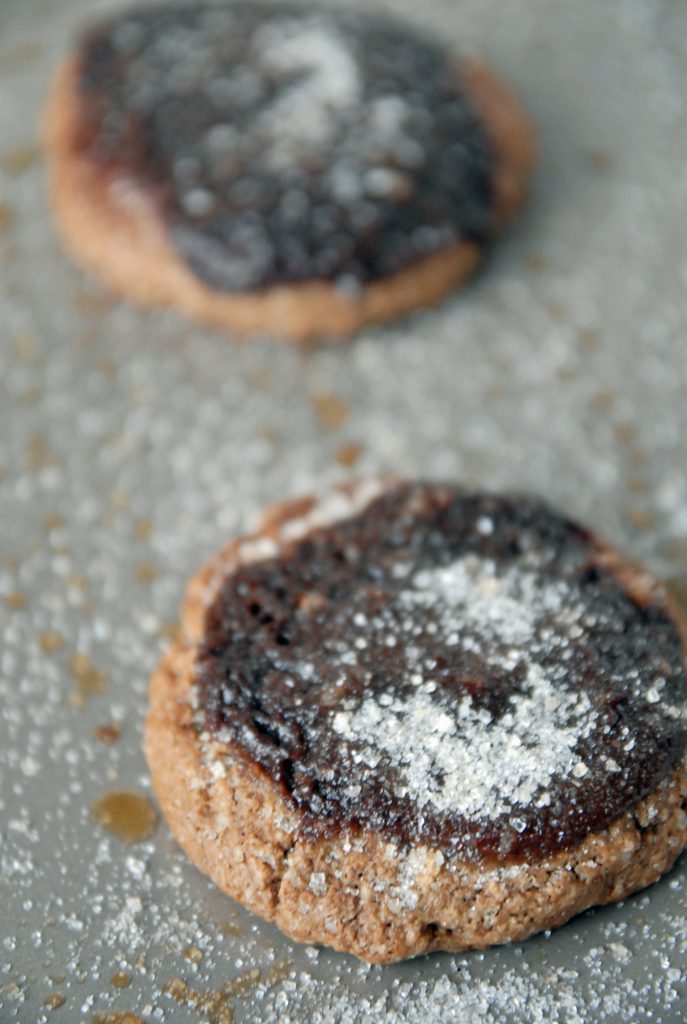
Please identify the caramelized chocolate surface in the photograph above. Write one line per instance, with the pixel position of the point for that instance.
(447, 667)
(283, 144)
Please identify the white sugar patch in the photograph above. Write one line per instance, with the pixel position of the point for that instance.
(462, 761)
(327, 82)
(469, 594)
(458, 757)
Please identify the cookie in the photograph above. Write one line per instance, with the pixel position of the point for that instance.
(280, 169)
(409, 717)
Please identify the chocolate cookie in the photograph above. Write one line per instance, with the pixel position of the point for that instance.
(277, 168)
(410, 717)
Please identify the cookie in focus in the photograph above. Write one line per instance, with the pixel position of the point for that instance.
(408, 717)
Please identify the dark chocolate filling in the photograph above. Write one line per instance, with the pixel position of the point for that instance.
(283, 144)
(439, 618)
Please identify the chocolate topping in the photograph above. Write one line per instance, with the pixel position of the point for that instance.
(282, 144)
(447, 667)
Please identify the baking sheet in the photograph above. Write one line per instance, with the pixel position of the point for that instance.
(133, 444)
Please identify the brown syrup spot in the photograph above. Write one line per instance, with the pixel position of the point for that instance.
(641, 519)
(556, 309)
(19, 55)
(128, 816)
(27, 349)
(193, 955)
(50, 641)
(116, 1017)
(636, 484)
(109, 369)
(32, 396)
(598, 160)
(331, 410)
(143, 528)
(349, 454)
(119, 500)
(279, 972)
(6, 217)
(108, 734)
(603, 400)
(231, 927)
(589, 337)
(146, 572)
(16, 601)
(54, 1000)
(624, 432)
(20, 158)
(214, 1004)
(87, 678)
(120, 979)
(78, 581)
(535, 261)
(38, 455)
(53, 522)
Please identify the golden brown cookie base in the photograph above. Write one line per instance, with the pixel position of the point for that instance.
(363, 894)
(115, 232)
(242, 833)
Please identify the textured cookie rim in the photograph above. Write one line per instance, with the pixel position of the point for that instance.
(119, 239)
(240, 830)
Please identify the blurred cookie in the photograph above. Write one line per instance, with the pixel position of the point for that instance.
(409, 717)
(280, 169)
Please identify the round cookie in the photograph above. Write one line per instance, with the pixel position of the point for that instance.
(280, 169)
(409, 717)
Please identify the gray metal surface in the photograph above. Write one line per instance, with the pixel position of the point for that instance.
(133, 444)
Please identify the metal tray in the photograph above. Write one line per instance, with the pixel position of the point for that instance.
(133, 444)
